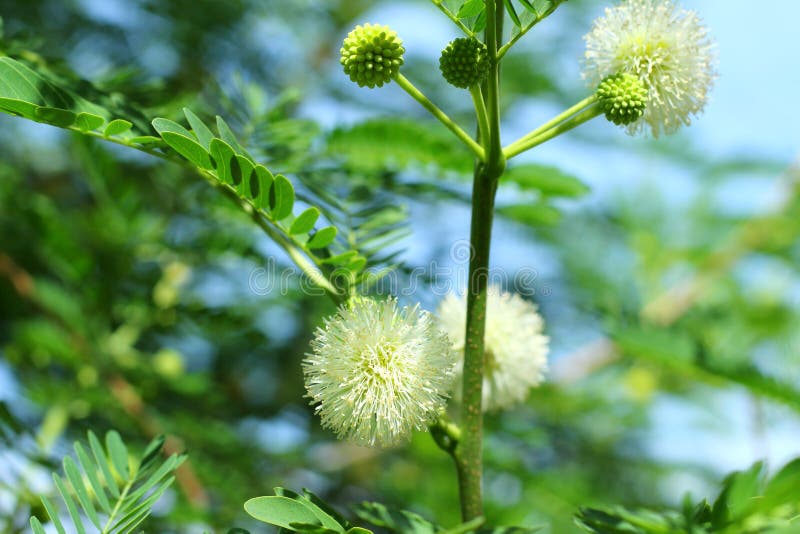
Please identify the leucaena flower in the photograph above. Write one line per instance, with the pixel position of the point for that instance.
(376, 371)
(372, 55)
(666, 47)
(623, 98)
(464, 62)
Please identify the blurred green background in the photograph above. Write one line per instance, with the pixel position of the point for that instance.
(666, 270)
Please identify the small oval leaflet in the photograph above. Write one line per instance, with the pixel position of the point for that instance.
(265, 180)
(304, 222)
(201, 131)
(322, 238)
(55, 116)
(236, 171)
(245, 172)
(89, 121)
(189, 149)
(279, 511)
(222, 154)
(281, 198)
(116, 127)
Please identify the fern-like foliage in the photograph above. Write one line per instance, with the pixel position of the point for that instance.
(218, 156)
(328, 173)
(104, 491)
(369, 221)
(396, 144)
(747, 504)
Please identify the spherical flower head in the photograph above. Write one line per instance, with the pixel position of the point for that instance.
(464, 62)
(623, 98)
(372, 55)
(376, 371)
(666, 47)
(515, 347)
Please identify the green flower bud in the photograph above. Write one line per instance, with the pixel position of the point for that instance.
(623, 98)
(464, 62)
(371, 55)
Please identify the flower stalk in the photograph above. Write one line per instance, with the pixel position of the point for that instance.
(555, 121)
(542, 135)
(480, 112)
(423, 100)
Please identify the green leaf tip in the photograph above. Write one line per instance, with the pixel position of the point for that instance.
(280, 511)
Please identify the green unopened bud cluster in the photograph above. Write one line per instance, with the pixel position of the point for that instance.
(372, 55)
(464, 62)
(623, 98)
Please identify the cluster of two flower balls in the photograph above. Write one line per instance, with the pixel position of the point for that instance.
(378, 371)
(372, 55)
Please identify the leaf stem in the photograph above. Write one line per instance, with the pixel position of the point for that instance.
(529, 142)
(417, 95)
(528, 27)
(506, 47)
(454, 18)
(300, 260)
(295, 253)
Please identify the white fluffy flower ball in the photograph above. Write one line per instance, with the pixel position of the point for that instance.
(667, 47)
(376, 371)
(515, 347)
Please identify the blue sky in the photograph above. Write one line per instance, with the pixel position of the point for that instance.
(755, 102)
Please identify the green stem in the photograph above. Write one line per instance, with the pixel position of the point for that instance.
(451, 16)
(417, 95)
(576, 120)
(469, 453)
(480, 111)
